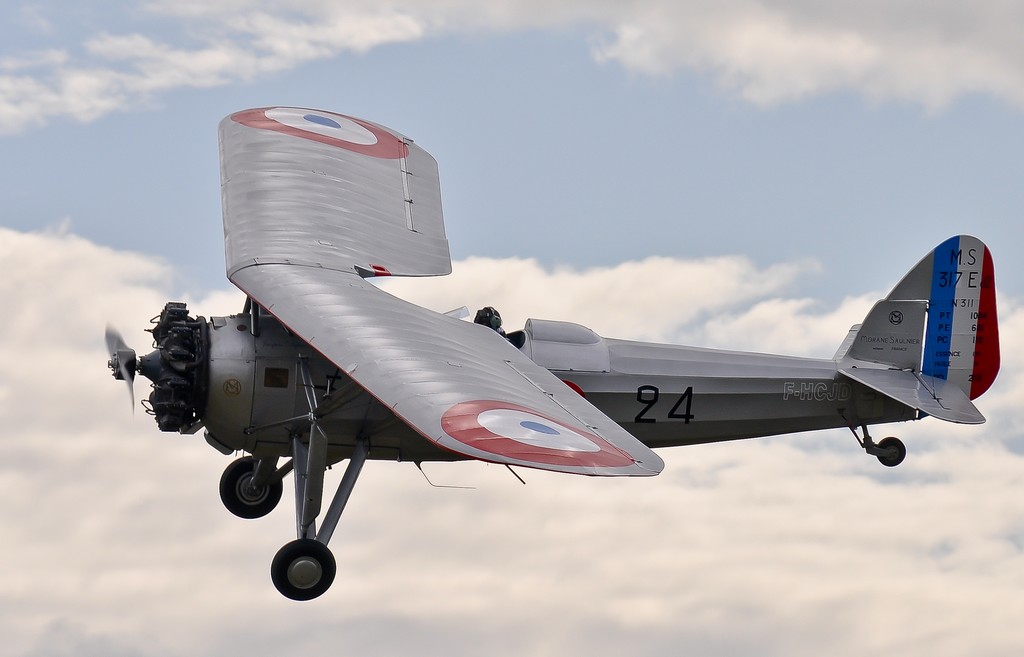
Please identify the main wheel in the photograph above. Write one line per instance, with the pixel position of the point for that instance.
(898, 452)
(243, 499)
(303, 569)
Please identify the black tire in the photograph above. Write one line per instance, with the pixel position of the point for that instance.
(303, 569)
(891, 461)
(239, 498)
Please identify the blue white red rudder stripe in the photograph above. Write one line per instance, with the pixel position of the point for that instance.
(961, 341)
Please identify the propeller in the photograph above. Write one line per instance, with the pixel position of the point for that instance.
(122, 361)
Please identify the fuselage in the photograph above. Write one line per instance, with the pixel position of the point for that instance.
(669, 395)
(665, 395)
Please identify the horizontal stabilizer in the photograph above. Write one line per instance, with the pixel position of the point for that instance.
(936, 397)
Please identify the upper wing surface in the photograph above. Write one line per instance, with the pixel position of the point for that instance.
(312, 187)
(460, 385)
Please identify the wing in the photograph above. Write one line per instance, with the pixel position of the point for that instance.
(309, 187)
(460, 385)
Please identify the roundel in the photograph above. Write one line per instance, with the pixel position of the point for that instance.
(327, 128)
(517, 432)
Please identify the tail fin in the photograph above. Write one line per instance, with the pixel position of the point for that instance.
(961, 341)
(939, 323)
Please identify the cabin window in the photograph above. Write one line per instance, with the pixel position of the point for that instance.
(275, 377)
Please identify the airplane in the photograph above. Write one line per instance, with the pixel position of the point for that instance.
(322, 366)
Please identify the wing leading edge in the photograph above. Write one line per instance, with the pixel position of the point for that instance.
(460, 385)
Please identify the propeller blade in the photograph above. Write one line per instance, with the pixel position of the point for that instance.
(114, 340)
(122, 361)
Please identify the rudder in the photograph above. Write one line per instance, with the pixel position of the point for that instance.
(961, 337)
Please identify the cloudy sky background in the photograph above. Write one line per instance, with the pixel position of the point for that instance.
(736, 174)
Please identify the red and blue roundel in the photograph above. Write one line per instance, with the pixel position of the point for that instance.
(517, 432)
(329, 128)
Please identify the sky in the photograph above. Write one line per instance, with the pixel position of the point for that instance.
(736, 174)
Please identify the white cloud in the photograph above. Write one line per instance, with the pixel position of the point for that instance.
(652, 299)
(116, 71)
(791, 50)
(767, 53)
(790, 326)
(115, 541)
(32, 60)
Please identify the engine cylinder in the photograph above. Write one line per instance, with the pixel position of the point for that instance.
(179, 368)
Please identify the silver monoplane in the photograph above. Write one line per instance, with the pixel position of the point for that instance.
(321, 366)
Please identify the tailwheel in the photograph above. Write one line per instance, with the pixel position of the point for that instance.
(891, 452)
(241, 496)
(303, 569)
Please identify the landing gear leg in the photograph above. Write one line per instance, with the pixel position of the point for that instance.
(304, 569)
(890, 451)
